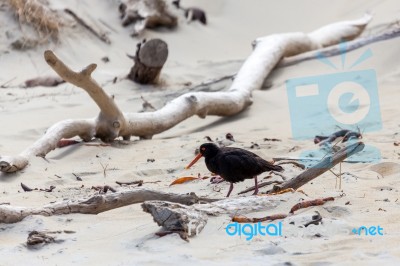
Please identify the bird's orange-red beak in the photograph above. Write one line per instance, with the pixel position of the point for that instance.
(198, 156)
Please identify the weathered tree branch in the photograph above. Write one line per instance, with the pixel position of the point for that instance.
(336, 50)
(321, 167)
(96, 204)
(111, 123)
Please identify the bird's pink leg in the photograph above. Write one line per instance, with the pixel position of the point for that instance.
(256, 185)
(230, 190)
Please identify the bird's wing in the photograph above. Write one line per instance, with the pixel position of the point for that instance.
(250, 158)
(239, 165)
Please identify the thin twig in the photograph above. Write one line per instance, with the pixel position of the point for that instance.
(279, 174)
(4, 85)
(260, 186)
(302, 166)
(77, 177)
(138, 182)
(103, 37)
(104, 169)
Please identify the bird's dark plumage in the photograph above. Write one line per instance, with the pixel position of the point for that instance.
(234, 164)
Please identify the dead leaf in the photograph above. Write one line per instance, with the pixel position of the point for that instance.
(184, 179)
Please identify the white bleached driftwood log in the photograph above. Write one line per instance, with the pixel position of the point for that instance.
(111, 122)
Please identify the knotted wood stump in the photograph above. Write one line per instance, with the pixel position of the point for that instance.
(149, 59)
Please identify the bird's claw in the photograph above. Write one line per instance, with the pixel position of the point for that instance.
(216, 179)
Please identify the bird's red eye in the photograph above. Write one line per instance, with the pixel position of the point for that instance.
(203, 149)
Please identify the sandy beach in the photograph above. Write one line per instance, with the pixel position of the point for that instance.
(197, 53)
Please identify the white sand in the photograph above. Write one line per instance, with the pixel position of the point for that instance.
(125, 236)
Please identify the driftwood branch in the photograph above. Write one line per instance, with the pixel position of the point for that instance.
(111, 122)
(95, 204)
(336, 50)
(321, 167)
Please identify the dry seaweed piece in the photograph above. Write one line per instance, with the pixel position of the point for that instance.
(310, 203)
(243, 219)
(46, 81)
(36, 237)
(138, 182)
(272, 139)
(43, 237)
(345, 133)
(50, 189)
(104, 189)
(26, 188)
(301, 166)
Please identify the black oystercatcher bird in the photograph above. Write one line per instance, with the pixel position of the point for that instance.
(233, 164)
